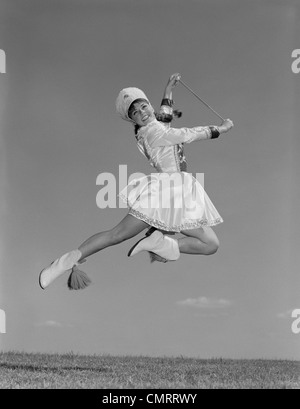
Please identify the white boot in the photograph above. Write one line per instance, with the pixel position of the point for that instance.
(59, 267)
(158, 243)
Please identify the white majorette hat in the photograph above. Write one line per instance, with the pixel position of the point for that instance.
(126, 98)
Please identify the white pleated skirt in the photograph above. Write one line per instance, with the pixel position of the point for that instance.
(170, 201)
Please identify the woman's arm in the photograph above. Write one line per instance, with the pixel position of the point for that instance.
(173, 136)
(167, 101)
(162, 136)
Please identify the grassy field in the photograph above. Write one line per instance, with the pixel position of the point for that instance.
(70, 371)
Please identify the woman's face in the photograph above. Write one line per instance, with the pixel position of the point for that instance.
(141, 113)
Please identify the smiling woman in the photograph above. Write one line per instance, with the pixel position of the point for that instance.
(141, 112)
(163, 148)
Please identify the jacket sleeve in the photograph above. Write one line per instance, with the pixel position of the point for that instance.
(167, 136)
(166, 109)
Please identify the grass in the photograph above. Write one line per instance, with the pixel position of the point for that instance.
(71, 371)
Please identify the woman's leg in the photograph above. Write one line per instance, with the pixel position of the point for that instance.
(129, 227)
(199, 241)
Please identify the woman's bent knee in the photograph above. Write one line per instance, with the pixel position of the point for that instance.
(213, 246)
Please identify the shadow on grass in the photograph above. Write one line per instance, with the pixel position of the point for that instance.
(54, 369)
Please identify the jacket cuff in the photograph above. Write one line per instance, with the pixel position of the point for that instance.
(215, 133)
(168, 102)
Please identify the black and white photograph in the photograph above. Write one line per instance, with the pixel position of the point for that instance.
(149, 197)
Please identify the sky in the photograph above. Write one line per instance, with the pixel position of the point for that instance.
(66, 62)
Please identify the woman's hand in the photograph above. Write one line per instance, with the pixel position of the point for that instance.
(173, 80)
(226, 126)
